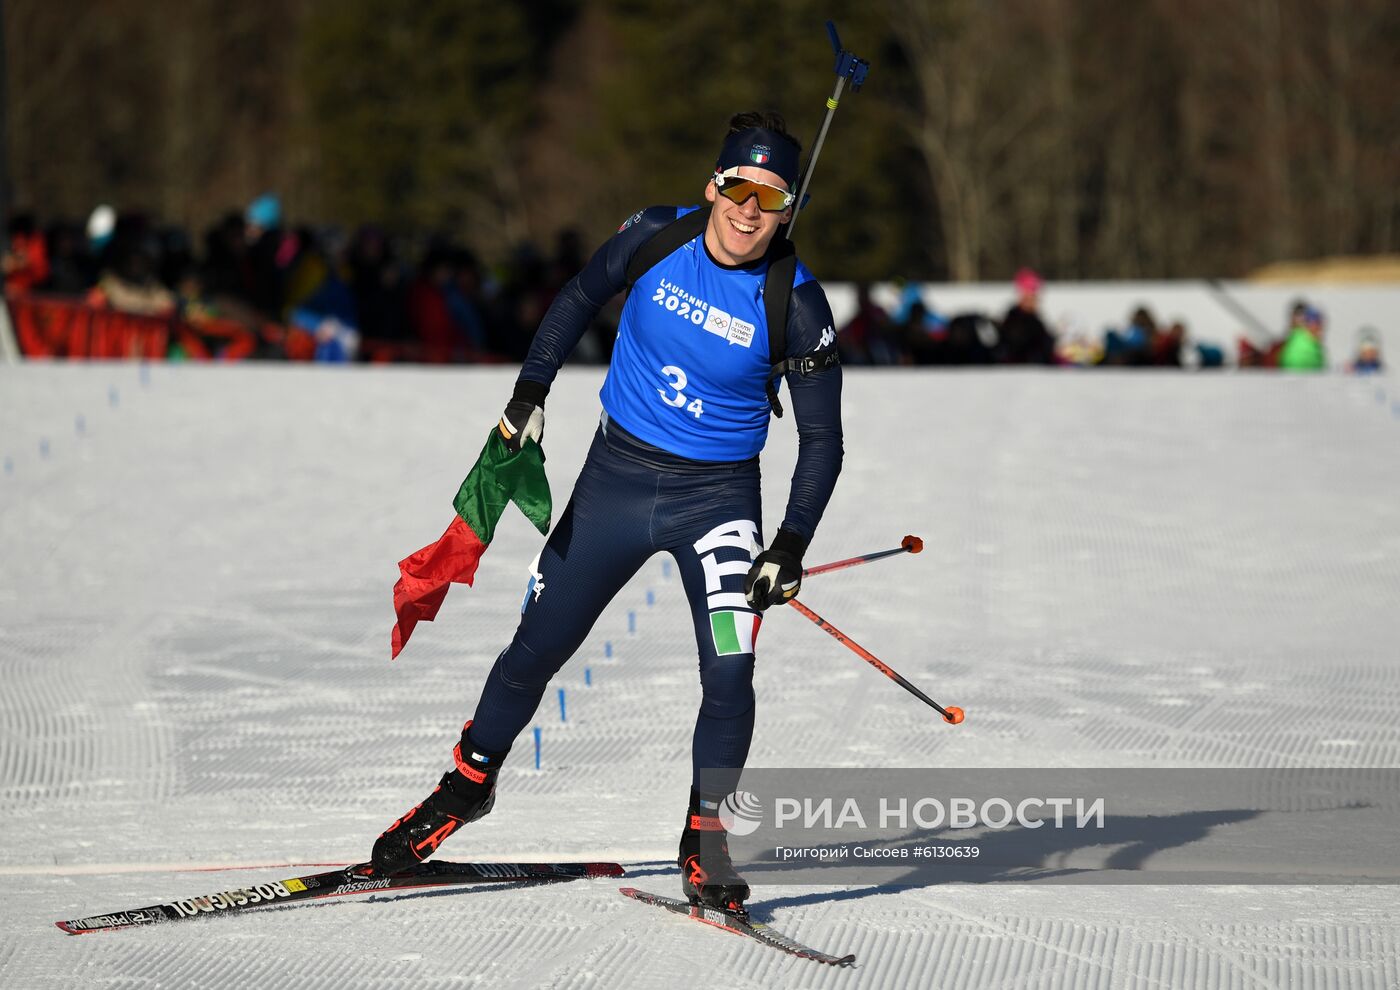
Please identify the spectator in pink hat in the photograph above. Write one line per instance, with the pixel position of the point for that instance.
(1023, 337)
(1028, 285)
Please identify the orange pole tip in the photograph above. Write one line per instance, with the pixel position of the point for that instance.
(912, 543)
(955, 714)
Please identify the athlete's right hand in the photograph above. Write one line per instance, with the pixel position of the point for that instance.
(776, 574)
(524, 416)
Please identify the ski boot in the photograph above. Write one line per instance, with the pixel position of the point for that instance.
(707, 874)
(463, 795)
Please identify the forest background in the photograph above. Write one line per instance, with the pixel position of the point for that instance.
(1093, 139)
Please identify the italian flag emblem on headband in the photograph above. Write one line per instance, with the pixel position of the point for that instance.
(759, 154)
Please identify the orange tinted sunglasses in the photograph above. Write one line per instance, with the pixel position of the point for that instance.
(737, 189)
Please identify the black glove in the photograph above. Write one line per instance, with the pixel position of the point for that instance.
(776, 574)
(524, 416)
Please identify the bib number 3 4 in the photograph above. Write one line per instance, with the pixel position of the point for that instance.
(675, 378)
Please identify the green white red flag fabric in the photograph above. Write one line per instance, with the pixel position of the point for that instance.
(497, 479)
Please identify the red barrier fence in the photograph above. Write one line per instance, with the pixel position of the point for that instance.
(47, 327)
(57, 327)
(63, 328)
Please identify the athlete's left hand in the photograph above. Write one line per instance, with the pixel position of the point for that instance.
(776, 574)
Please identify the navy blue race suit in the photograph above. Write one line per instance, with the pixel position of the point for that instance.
(673, 467)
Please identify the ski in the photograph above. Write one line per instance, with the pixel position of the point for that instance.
(336, 883)
(740, 923)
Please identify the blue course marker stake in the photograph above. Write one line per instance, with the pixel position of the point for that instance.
(44, 447)
(537, 747)
(9, 466)
(563, 715)
(607, 650)
(666, 569)
(631, 622)
(651, 598)
(80, 424)
(145, 373)
(588, 676)
(113, 396)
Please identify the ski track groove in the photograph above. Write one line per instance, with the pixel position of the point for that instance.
(581, 968)
(68, 738)
(1042, 939)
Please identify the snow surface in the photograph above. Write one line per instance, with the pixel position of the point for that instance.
(1130, 569)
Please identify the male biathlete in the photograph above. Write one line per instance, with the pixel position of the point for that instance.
(673, 467)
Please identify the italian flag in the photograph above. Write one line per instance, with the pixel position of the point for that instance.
(497, 479)
(734, 632)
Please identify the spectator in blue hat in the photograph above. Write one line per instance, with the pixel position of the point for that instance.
(263, 223)
(1368, 352)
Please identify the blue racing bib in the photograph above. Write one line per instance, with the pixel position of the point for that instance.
(690, 364)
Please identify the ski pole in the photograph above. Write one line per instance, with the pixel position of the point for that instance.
(910, 544)
(952, 714)
(848, 66)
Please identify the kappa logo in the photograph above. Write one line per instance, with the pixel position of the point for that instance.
(536, 586)
(828, 337)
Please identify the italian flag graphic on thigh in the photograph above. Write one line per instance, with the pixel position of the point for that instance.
(734, 632)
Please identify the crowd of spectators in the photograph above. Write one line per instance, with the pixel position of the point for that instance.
(1303, 345)
(370, 296)
(913, 334)
(363, 295)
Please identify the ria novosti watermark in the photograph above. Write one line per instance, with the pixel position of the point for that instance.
(931, 812)
(920, 826)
